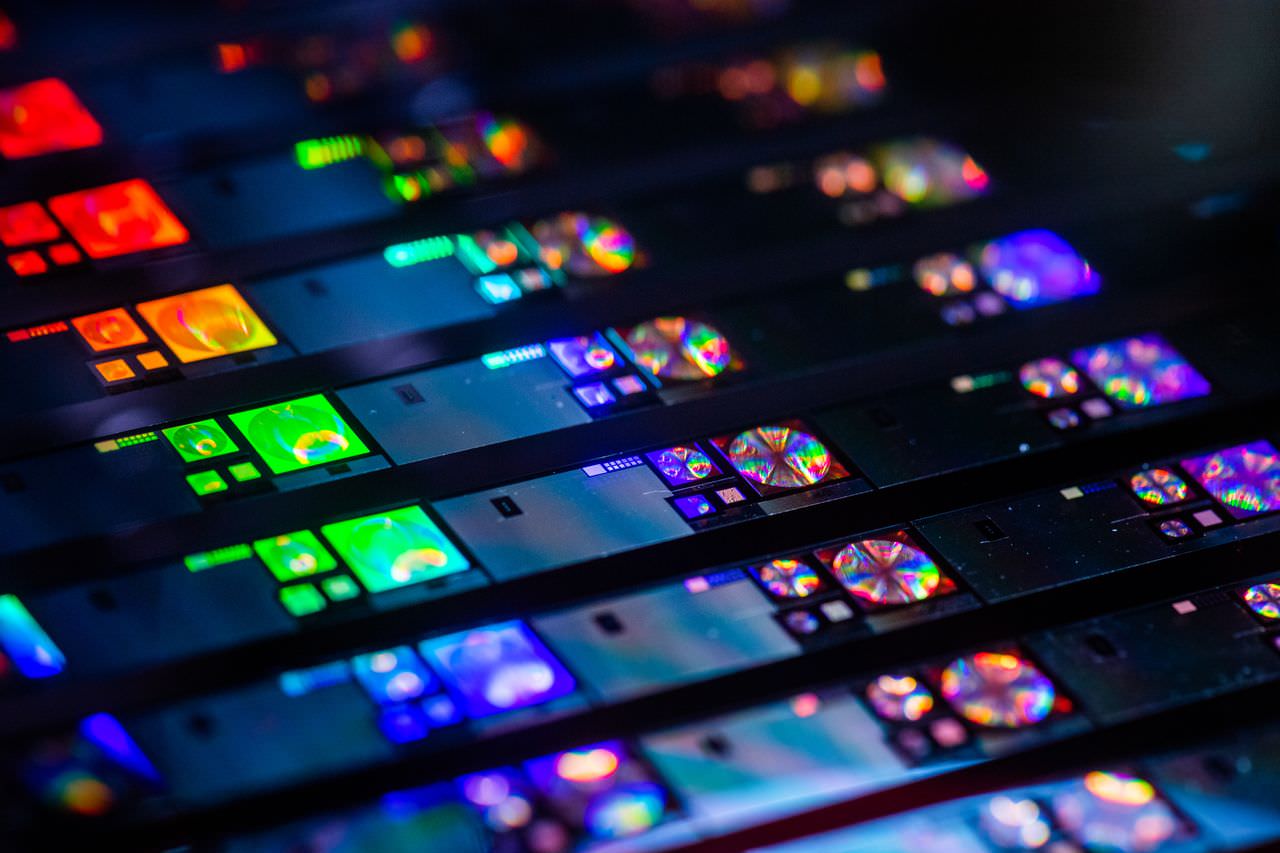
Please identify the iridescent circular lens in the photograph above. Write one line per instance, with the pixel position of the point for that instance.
(944, 274)
(308, 435)
(1159, 486)
(508, 141)
(788, 578)
(210, 325)
(625, 810)
(1174, 528)
(1036, 267)
(1264, 600)
(779, 456)
(1014, 824)
(398, 547)
(802, 622)
(684, 464)
(997, 690)
(1049, 378)
(202, 439)
(585, 245)
(886, 571)
(899, 698)
(1246, 478)
(1114, 812)
(679, 348)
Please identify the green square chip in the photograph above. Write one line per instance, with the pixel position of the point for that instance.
(303, 433)
(200, 440)
(206, 483)
(340, 588)
(244, 471)
(302, 600)
(395, 549)
(290, 556)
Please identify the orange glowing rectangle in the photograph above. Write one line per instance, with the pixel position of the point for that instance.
(115, 370)
(207, 323)
(118, 219)
(153, 360)
(21, 224)
(109, 330)
(42, 117)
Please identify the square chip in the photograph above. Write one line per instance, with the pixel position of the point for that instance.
(118, 219)
(43, 117)
(207, 323)
(498, 668)
(1245, 479)
(301, 433)
(1140, 372)
(395, 549)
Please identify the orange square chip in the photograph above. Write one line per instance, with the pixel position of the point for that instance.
(44, 116)
(109, 330)
(207, 323)
(115, 370)
(118, 219)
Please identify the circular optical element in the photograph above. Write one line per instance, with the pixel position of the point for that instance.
(900, 698)
(587, 765)
(1159, 486)
(397, 547)
(1174, 528)
(1032, 268)
(210, 325)
(308, 435)
(1264, 600)
(585, 245)
(779, 456)
(625, 810)
(684, 464)
(788, 578)
(678, 348)
(802, 622)
(1014, 824)
(204, 440)
(997, 690)
(1049, 378)
(1114, 812)
(508, 141)
(944, 274)
(886, 571)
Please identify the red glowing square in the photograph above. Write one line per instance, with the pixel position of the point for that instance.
(63, 254)
(118, 219)
(27, 263)
(44, 116)
(25, 223)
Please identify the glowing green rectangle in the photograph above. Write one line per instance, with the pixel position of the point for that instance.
(303, 433)
(290, 556)
(340, 588)
(418, 252)
(302, 600)
(244, 472)
(200, 440)
(318, 153)
(394, 549)
(207, 483)
(217, 557)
